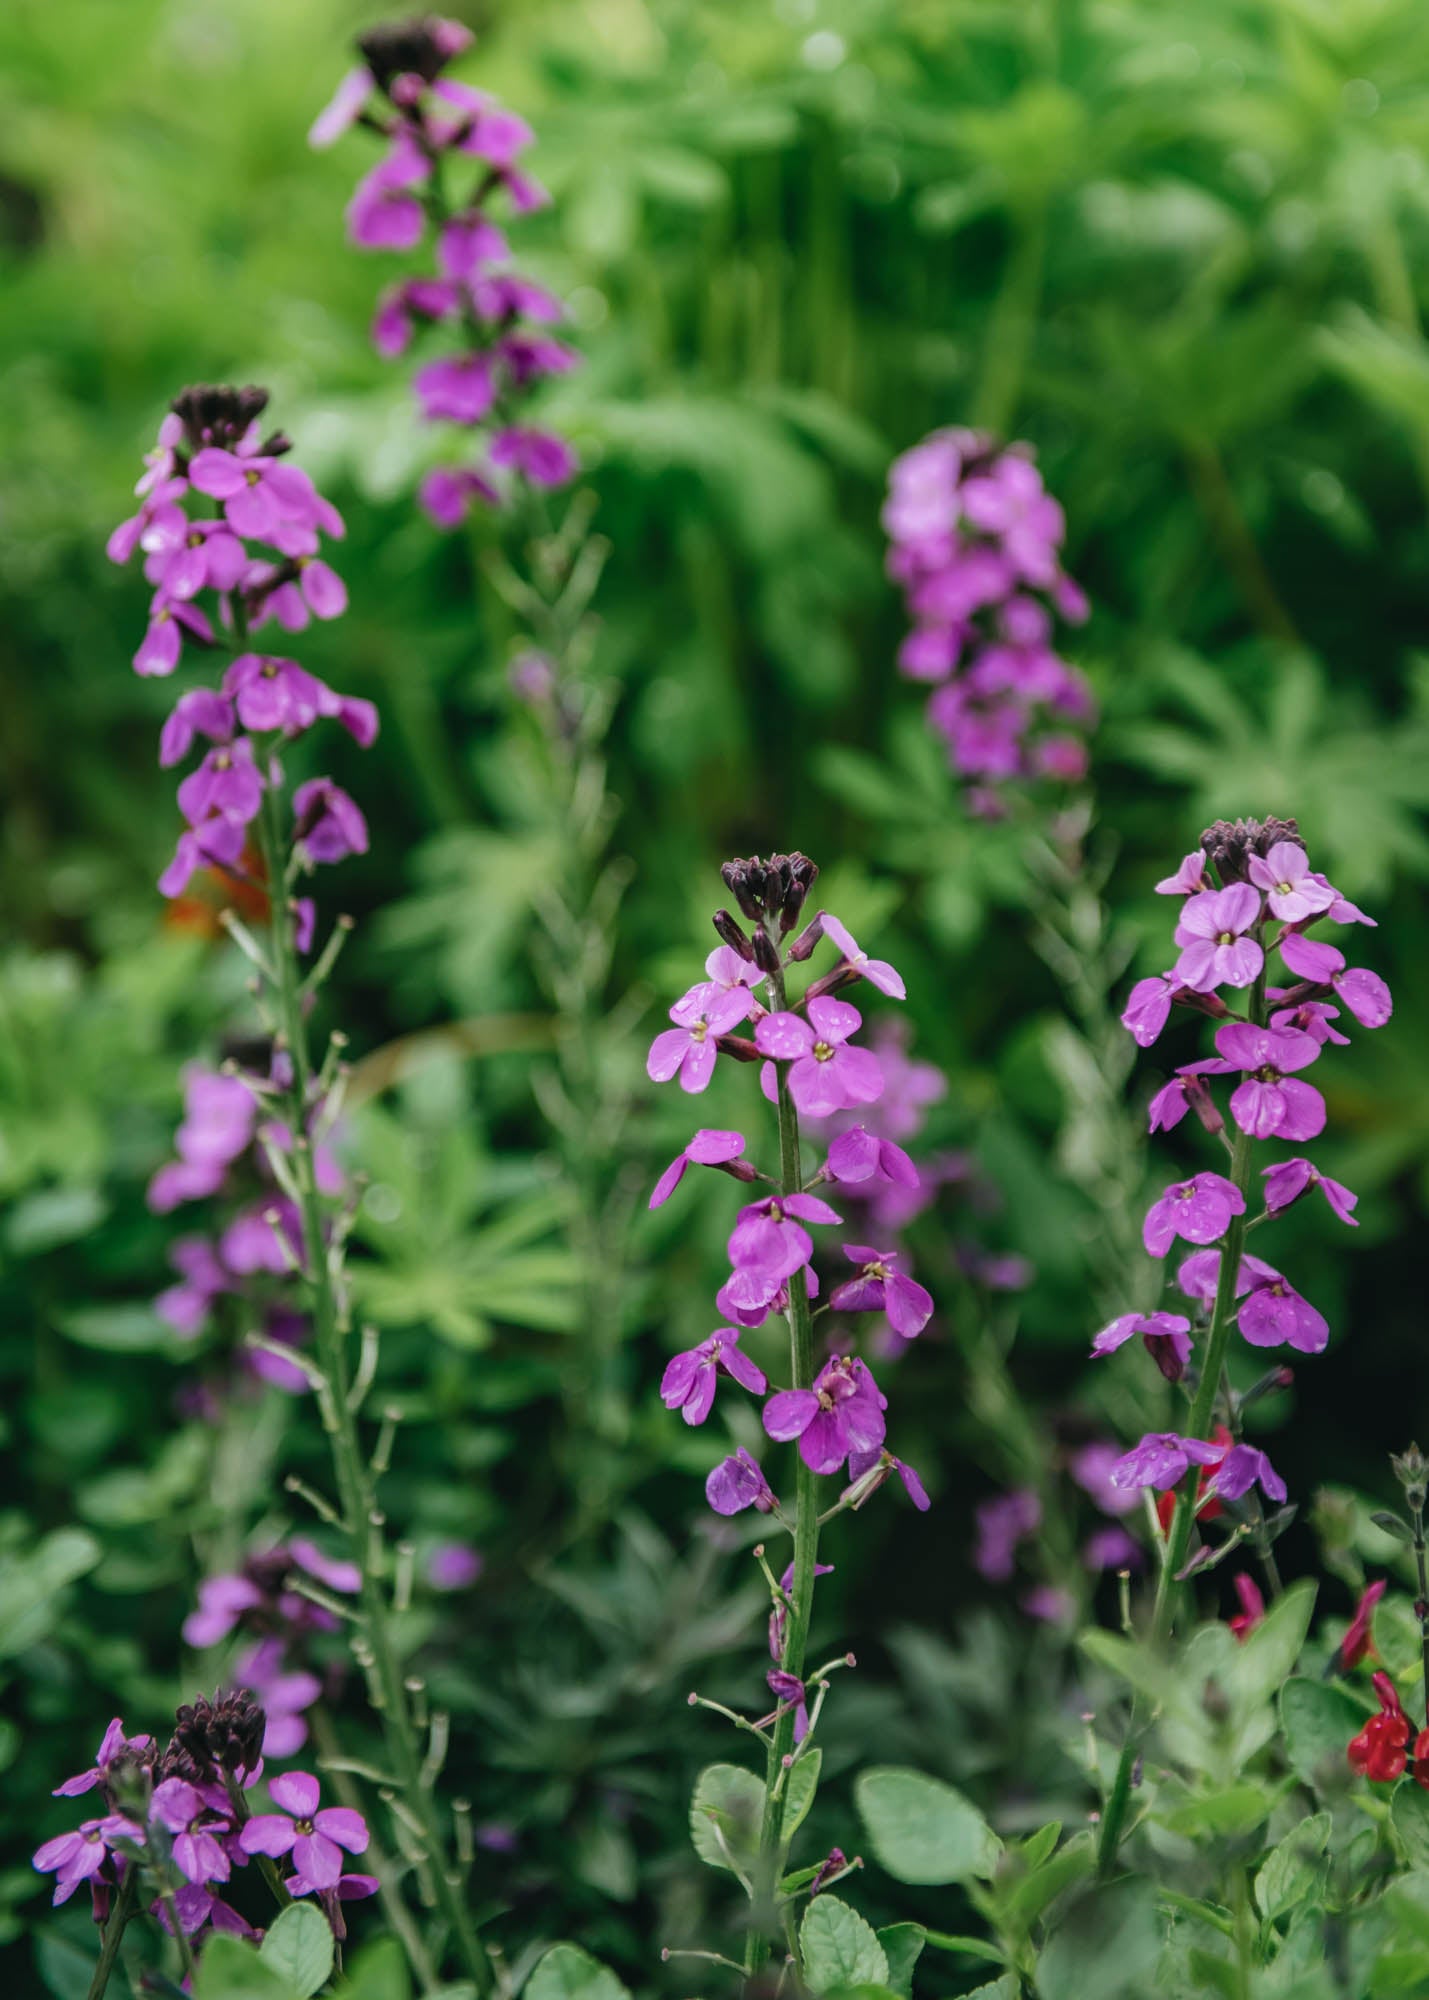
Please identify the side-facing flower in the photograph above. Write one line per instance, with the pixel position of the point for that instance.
(878, 1287)
(708, 1148)
(1162, 1459)
(738, 1482)
(1167, 1337)
(1287, 1180)
(877, 971)
(688, 1384)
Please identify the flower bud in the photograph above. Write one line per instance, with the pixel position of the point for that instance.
(729, 931)
(766, 952)
(804, 943)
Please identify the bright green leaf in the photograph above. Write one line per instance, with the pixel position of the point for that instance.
(299, 1946)
(568, 1973)
(922, 1830)
(839, 1949)
(726, 1813)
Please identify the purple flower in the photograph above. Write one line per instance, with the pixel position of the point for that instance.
(446, 493)
(337, 1573)
(1049, 1604)
(197, 1905)
(1292, 892)
(825, 1073)
(218, 843)
(454, 1566)
(114, 1747)
(186, 1306)
(1092, 1467)
(543, 458)
(1199, 1209)
(270, 693)
(842, 1413)
(870, 1469)
(1112, 1548)
(79, 1856)
(1199, 1275)
(283, 1695)
(708, 1148)
(690, 1049)
(1003, 1522)
(768, 1244)
(200, 712)
(1272, 1103)
(1289, 1179)
(222, 1601)
(327, 824)
(1242, 1467)
(1161, 1459)
(1186, 1092)
(343, 109)
(347, 1888)
(1167, 1337)
(1273, 1314)
(788, 1691)
(877, 971)
(737, 1482)
(688, 1384)
(425, 299)
(460, 388)
(162, 643)
(1312, 1017)
(859, 1156)
(199, 1855)
(1188, 878)
(227, 784)
(879, 1288)
(779, 1617)
(262, 496)
(465, 244)
(1215, 951)
(1149, 1008)
(314, 1837)
(1364, 993)
(386, 212)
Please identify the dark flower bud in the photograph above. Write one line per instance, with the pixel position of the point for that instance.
(803, 945)
(803, 873)
(420, 47)
(215, 414)
(1412, 1471)
(1199, 1100)
(766, 952)
(738, 1170)
(1229, 844)
(728, 929)
(738, 1046)
(835, 1863)
(738, 878)
(1163, 1352)
(212, 1737)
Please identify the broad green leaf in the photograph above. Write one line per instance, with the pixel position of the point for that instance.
(922, 1830)
(1105, 1946)
(66, 1969)
(378, 1972)
(725, 1816)
(1397, 1640)
(230, 1969)
(1409, 1812)
(1318, 1719)
(1268, 1654)
(299, 1946)
(120, 1329)
(1234, 1809)
(568, 1973)
(31, 1583)
(838, 1948)
(803, 1782)
(1024, 1902)
(902, 1945)
(1294, 1868)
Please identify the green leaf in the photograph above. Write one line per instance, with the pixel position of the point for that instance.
(299, 1946)
(838, 1948)
(232, 1970)
(1397, 1638)
(902, 1945)
(1391, 1524)
(1294, 1869)
(1234, 1809)
(568, 1973)
(1409, 1813)
(1033, 1851)
(1318, 1719)
(1105, 1946)
(1025, 1901)
(922, 1830)
(31, 1583)
(118, 1329)
(802, 1783)
(378, 1972)
(66, 1969)
(725, 1816)
(1270, 1650)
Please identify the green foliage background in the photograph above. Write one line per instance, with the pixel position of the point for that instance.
(1181, 250)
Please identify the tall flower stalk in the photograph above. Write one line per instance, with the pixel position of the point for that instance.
(245, 821)
(832, 1409)
(1248, 891)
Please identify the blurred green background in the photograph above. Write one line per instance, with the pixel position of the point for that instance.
(1182, 251)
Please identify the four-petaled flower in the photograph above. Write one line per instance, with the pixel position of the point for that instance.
(708, 1148)
(1273, 1314)
(313, 1836)
(1211, 932)
(859, 1155)
(879, 1288)
(1149, 1007)
(1162, 1459)
(199, 1855)
(1199, 1209)
(1364, 993)
(826, 1073)
(769, 1244)
(1243, 1467)
(1291, 891)
(1272, 1103)
(79, 1856)
(688, 1384)
(842, 1413)
(689, 1048)
(1287, 1180)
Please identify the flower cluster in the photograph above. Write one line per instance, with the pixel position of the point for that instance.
(975, 542)
(807, 1046)
(1249, 892)
(1382, 1748)
(182, 1819)
(436, 128)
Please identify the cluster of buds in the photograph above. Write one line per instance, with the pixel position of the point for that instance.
(435, 127)
(975, 542)
(178, 1823)
(1249, 891)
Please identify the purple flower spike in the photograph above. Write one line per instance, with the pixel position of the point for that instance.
(688, 1384)
(1292, 892)
(1241, 1468)
(1149, 1008)
(1003, 1522)
(1289, 1179)
(1167, 1337)
(879, 1288)
(842, 1413)
(1199, 1210)
(313, 1837)
(708, 1148)
(859, 1155)
(1274, 1314)
(826, 1074)
(689, 1049)
(1215, 952)
(1272, 1103)
(877, 971)
(1161, 1459)
(736, 1483)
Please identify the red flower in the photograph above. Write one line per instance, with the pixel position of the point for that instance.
(1252, 1605)
(1357, 1644)
(1380, 1751)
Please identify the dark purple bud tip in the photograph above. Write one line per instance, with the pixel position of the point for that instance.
(1229, 845)
(739, 1047)
(766, 952)
(730, 932)
(803, 945)
(406, 48)
(214, 414)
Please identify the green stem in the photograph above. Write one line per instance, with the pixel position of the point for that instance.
(114, 1933)
(806, 1543)
(171, 1911)
(350, 1467)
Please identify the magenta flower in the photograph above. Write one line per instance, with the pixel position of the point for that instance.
(737, 1482)
(688, 1384)
(877, 971)
(446, 493)
(227, 784)
(768, 1244)
(314, 1837)
(386, 211)
(1186, 1092)
(186, 1306)
(460, 388)
(745, 1295)
(114, 1747)
(1189, 877)
(342, 110)
(200, 712)
(218, 843)
(1292, 892)
(1289, 1179)
(1161, 1459)
(328, 825)
(162, 643)
(879, 1288)
(1003, 1522)
(454, 1566)
(826, 1074)
(79, 1856)
(199, 1855)
(1112, 1548)
(261, 495)
(871, 1469)
(708, 1148)
(197, 1905)
(1148, 1008)
(419, 299)
(1273, 1314)
(704, 1014)
(1364, 993)
(1272, 1103)
(788, 1690)
(1311, 1017)
(335, 1571)
(1199, 1275)
(1092, 1467)
(1199, 1210)
(467, 244)
(1167, 1337)
(347, 1888)
(283, 1694)
(842, 1413)
(543, 458)
(1215, 951)
(272, 693)
(1241, 1468)
(859, 1156)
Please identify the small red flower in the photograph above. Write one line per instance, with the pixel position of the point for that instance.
(1420, 1773)
(1252, 1605)
(1380, 1751)
(1357, 1644)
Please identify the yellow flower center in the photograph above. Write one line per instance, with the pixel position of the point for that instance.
(822, 1052)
